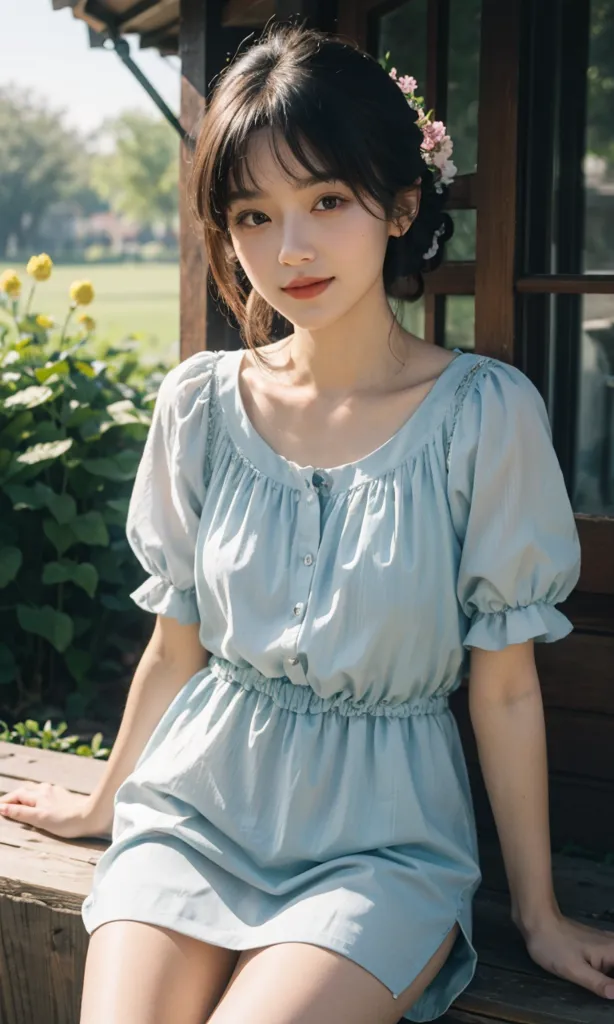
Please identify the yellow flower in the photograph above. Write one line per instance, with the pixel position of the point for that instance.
(82, 292)
(87, 322)
(10, 283)
(39, 267)
(44, 321)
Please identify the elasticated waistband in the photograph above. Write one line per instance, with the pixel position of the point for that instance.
(304, 700)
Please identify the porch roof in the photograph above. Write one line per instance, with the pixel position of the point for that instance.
(156, 22)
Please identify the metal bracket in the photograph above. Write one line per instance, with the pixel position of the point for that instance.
(122, 49)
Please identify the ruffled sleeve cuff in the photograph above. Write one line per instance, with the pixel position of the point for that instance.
(158, 595)
(541, 622)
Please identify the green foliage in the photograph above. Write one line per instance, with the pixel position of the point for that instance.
(139, 177)
(41, 162)
(29, 734)
(72, 429)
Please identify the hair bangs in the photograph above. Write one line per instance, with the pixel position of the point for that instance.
(309, 127)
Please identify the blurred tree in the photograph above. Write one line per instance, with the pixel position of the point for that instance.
(41, 162)
(139, 174)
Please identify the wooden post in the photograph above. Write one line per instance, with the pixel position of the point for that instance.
(496, 180)
(204, 47)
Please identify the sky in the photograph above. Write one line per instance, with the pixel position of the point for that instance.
(47, 53)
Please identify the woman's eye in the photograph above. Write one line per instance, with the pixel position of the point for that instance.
(336, 202)
(259, 218)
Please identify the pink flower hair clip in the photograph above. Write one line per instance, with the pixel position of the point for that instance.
(436, 147)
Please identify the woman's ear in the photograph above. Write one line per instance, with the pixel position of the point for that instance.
(408, 203)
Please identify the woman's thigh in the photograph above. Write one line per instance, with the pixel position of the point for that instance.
(298, 983)
(145, 974)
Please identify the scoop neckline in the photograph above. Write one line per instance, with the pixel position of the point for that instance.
(336, 478)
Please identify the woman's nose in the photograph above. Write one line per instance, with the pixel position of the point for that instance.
(295, 246)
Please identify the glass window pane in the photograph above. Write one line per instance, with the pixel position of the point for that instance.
(460, 322)
(462, 244)
(402, 34)
(463, 82)
(599, 159)
(593, 485)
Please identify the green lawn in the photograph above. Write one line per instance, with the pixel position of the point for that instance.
(131, 298)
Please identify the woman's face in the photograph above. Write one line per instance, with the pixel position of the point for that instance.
(288, 232)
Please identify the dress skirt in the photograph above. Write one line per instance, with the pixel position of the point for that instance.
(259, 813)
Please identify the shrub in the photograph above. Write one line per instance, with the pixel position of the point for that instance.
(72, 428)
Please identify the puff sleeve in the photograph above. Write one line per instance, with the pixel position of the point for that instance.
(520, 550)
(167, 496)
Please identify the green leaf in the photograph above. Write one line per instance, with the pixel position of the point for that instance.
(120, 505)
(45, 452)
(61, 368)
(122, 466)
(82, 574)
(91, 529)
(10, 564)
(62, 506)
(29, 398)
(23, 496)
(54, 626)
(8, 665)
(77, 662)
(62, 537)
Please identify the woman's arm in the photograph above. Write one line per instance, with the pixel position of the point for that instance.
(172, 656)
(508, 720)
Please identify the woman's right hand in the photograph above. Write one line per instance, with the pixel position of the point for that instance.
(54, 809)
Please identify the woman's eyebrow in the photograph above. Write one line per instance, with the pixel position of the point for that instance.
(301, 183)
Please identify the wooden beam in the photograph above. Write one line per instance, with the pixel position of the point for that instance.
(496, 177)
(566, 284)
(247, 13)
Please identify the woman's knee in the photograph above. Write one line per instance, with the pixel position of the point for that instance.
(151, 975)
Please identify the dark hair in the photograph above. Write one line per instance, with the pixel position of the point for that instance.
(340, 114)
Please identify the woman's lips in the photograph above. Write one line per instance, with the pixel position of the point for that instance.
(308, 291)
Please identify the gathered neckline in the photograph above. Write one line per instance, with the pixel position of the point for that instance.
(272, 463)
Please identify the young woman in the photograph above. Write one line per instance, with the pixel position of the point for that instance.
(331, 522)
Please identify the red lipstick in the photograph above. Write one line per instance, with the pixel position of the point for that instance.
(307, 287)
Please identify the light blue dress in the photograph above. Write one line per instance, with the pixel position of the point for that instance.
(309, 784)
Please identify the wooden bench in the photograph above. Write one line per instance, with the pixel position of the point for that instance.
(43, 881)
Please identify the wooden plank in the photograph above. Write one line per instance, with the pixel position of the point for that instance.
(247, 13)
(597, 539)
(566, 284)
(42, 960)
(454, 278)
(496, 184)
(590, 612)
(577, 673)
(18, 763)
(523, 999)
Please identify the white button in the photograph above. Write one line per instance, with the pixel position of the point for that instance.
(308, 559)
(293, 661)
(298, 608)
(310, 496)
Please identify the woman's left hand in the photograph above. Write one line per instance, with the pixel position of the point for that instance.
(575, 952)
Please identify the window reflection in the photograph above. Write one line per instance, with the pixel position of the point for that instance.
(593, 490)
(402, 34)
(463, 82)
(460, 322)
(599, 158)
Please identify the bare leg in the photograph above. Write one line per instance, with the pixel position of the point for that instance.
(145, 974)
(298, 983)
